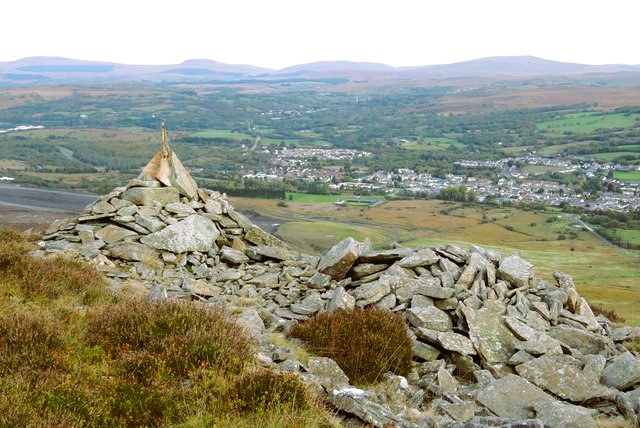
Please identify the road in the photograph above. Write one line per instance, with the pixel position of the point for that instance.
(38, 199)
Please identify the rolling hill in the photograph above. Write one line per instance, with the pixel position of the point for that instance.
(55, 70)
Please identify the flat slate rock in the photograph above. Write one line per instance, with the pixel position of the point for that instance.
(195, 233)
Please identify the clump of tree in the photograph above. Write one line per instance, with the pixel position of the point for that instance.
(458, 194)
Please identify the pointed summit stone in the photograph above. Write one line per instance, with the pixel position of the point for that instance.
(167, 169)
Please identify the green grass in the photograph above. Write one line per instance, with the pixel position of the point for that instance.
(584, 123)
(313, 199)
(221, 133)
(627, 175)
(319, 236)
(613, 155)
(432, 144)
(630, 236)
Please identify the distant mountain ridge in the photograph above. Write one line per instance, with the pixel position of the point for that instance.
(54, 70)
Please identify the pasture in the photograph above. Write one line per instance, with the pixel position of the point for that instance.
(584, 123)
(627, 175)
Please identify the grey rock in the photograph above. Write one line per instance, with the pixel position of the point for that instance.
(113, 233)
(195, 233)
(435, 292)
(372, 292)
(200, 287)
(385, 256)
(540, 344)
(102, 207)
(515, 270)
(340, 299)
(320, 281)
(490, 336)
(456, 342)
(429, 317)
(179, 208)
(250, 319)
(233, 256)
(277, 253)
(257, 236)
(622, 371)
(213, 206)
(424, 351)
(266, 280)
(579, 339)
(583, 309)
(356, 402)
(423, 257)
(563, 376)
(328, 371)
(621, 334)
(559, 414)
(240, 219)
(512, 397)
(150, 222)
(133, 251)
(365, 269)
(388, 302)
(149, 196)
(309, 305)
(339, 259)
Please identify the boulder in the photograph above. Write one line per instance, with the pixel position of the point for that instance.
(195, 233)
(423, 257)
(372, 292)
(340, 299)
(512, 397)
(112, 233)
(149, 196)
(622, 371)
(257, 236)
(515, 270)
(132, 251)
(493, 341)
(339, 259)
(429, 317)
(456, 343)
(328, 371)
(563, 376)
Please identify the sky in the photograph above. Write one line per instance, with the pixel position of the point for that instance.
(281, 33)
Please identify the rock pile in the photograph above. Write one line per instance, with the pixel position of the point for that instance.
(493, 344)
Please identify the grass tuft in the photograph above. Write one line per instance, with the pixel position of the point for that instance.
(366, 343)
(265, 390)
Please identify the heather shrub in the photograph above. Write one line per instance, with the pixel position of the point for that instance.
(366, 343)
(29, 342)
(46, 277)
(610, 314)
(265, 390)
(13, 248)
(153, 340)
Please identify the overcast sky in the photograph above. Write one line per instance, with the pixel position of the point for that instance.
(280, 33)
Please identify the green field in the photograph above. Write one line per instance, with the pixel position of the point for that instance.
(629, 236)
(613, 155)
(584, 123)
(221, 133)
(432, 144)
(627, 175)
(314, 199)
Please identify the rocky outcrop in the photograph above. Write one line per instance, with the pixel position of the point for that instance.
(492, 342)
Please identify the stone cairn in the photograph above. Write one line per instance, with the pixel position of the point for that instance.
(493, 345)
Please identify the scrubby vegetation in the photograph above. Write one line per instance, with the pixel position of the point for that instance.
(74, 355)
(366, 343)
